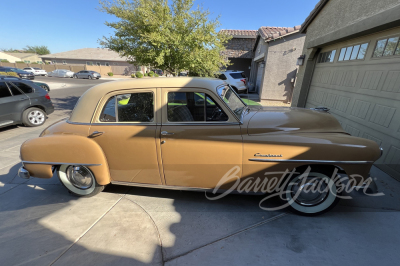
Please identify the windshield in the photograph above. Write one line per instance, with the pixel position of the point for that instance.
(234, 102)
(240, 75)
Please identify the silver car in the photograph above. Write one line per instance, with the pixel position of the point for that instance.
(87, 74)
(61, 73)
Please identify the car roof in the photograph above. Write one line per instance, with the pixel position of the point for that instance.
(88, 102)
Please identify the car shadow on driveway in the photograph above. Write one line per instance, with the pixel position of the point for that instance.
(65, 103)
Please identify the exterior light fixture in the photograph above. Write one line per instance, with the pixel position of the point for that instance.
(300, 60)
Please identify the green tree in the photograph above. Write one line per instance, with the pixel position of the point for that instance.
(38, 49)
(169, 37)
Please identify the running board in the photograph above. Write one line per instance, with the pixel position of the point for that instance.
(8, 122)
(159, 186)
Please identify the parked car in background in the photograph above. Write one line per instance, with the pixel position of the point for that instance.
(23, 102)
(36, 71)
(40, 84)
(183, 74)
(237, 80)
(61, 73)
(87, 74)
(201, 136)
(158, 72)
(21, 73)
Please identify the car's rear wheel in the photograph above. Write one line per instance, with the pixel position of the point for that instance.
(75, 76)
(79, 180)
(313, 193)
(33, 117)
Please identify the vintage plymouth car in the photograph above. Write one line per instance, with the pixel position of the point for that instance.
(196, 134)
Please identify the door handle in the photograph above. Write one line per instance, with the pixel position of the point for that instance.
(95, 134)
(165, 133)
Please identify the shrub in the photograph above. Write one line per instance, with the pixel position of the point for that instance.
(110, 74)
(139, 74)
(20, 62)
(151, 74)
(133, 76)
(34, 63)
(156, 75)
(146, 75)
(13, 74)
(4, 61)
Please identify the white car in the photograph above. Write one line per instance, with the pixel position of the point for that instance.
(61, 73)
(36, 71)
(237, 80)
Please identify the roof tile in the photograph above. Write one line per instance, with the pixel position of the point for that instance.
(270, 33)
(246, 33)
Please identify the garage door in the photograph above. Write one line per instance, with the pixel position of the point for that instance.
(259, 76)
(359, 80)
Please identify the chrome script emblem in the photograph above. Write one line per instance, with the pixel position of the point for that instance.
(267, 155)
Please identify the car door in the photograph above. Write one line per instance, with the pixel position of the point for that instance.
(12, 103)
(201, 140)
(125, 127)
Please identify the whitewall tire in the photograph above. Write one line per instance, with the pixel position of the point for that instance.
(79, 180)
(312, 195)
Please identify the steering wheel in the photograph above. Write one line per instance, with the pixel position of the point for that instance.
(216, 114)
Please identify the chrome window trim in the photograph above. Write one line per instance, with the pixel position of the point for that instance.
(309, 161)
(58, 163)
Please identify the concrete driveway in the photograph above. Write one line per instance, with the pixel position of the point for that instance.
(42, 224)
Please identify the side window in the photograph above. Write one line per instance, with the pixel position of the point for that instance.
(193, 106)
(222, 76)
(14, 90)
(136, 107)
(4, 92)
(108, 113)
(23, 87)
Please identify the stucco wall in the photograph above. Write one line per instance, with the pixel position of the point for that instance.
(239, 48)
(338, 14)
(280, 67)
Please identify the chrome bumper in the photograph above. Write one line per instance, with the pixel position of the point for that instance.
(23, 173)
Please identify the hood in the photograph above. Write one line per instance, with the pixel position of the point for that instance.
(264, 120)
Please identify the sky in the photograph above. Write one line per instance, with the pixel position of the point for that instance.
(75, 24)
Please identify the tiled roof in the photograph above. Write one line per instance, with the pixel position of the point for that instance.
(238, 33)
(88, 54)
(271, 33)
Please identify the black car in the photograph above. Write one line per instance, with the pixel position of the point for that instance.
(22, 74)
(23, 102)
(40, 84)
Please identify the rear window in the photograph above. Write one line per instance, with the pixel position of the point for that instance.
(37, 68)
(23, 87)
(238, 75)
(4, 92)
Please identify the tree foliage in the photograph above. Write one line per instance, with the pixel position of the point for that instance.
(38, 49)
(172, 37)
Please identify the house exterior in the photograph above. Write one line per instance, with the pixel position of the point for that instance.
(24, 57)
(239, 49)
(87, 56)
(273, 69)
(352, 66)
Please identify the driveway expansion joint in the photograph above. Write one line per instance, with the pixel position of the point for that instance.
(231, 235)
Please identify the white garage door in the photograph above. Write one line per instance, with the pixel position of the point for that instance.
(361, 86)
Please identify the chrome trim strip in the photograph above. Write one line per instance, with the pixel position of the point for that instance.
(159, 186)
(308, 161)
(56, 163)
(77, 123)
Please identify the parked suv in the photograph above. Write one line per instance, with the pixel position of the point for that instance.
(237, 80)
(22, 74)
(87, 74)
(23, 102)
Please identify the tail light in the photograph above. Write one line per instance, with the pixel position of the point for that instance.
(47, 96)
(244, 81)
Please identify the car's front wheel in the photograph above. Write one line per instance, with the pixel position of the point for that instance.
(33, 117)
(312, 193)
(90, 77)
(75, 76)
(79, 180)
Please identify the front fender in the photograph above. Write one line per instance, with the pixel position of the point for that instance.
(40, 154)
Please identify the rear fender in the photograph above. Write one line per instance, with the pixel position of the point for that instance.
(40, 154)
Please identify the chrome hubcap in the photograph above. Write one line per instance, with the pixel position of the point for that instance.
(80, 176)
(36, 117)
(309, 192)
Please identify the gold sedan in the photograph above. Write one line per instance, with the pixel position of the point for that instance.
(197, 134)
